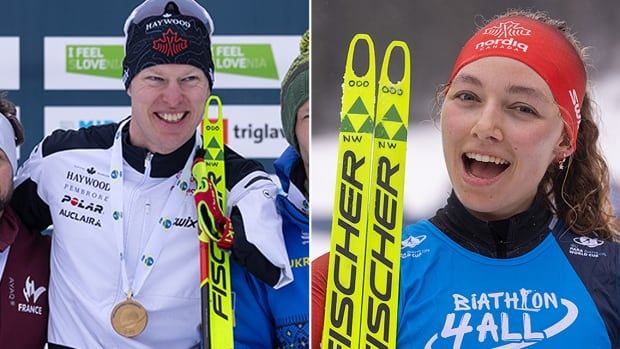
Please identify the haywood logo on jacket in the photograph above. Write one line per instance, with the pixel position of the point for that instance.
(31, 294)
(90, 181)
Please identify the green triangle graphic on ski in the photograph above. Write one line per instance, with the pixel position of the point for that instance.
(401, 134)
(214, 154)
(367, 127)
(392, 114)
(380, 132)
(358, 107)
(220, 156)
(346, 125)
(213, 144)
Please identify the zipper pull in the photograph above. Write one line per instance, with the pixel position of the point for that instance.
(147, 164)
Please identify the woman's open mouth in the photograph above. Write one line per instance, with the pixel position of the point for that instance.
(484, 167)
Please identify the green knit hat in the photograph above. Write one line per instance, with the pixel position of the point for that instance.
(294, 91)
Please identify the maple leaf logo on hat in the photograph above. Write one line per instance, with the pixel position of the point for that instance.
(508, 29)
(170, 43)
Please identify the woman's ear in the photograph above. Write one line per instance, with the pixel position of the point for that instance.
(563, 148)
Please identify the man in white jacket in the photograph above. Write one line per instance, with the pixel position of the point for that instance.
(120, 198)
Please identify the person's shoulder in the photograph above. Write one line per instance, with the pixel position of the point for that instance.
(420, 227)
(321, 263)
(95, 137)
(420, 242)
(234, 159)
(590, 252)
(239, 167)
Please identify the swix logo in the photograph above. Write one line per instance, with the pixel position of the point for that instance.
(187, 222)
(576, 105)
(588, 242)
(170, 43)
(507, 29)
(73, 201)
(413, 241)
(504, 319)
(505, 33)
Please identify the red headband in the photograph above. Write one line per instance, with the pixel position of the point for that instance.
(541, 47)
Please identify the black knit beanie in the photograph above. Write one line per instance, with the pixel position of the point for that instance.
(168, 32)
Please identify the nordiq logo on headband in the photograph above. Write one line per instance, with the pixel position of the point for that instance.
(506, 33)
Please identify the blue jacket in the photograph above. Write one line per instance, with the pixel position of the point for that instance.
(545, 287)
(266, 317)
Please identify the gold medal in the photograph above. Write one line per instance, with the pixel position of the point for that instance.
(129, 318)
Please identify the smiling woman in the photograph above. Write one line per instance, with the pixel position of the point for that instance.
(527, 234)
(499, 136)
(524, 251)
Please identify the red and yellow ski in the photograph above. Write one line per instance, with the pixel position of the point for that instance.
(215, 234)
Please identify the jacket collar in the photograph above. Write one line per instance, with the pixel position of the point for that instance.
(290, 170)
(162, 166)
(505, 238)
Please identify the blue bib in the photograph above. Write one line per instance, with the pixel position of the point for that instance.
(453, 298)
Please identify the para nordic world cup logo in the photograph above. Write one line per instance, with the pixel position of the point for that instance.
(508, 29)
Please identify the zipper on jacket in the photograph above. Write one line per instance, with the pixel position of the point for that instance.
(147, 164)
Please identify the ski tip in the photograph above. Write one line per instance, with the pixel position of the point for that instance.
(352, 53)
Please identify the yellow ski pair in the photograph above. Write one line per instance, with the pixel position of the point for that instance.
(362, 290)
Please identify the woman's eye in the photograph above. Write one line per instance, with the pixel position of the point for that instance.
(526, 109)
(465, 96)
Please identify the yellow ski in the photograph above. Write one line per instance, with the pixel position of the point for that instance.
(385, 223)
(362, 288)
(210, 196)
(350, 215)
